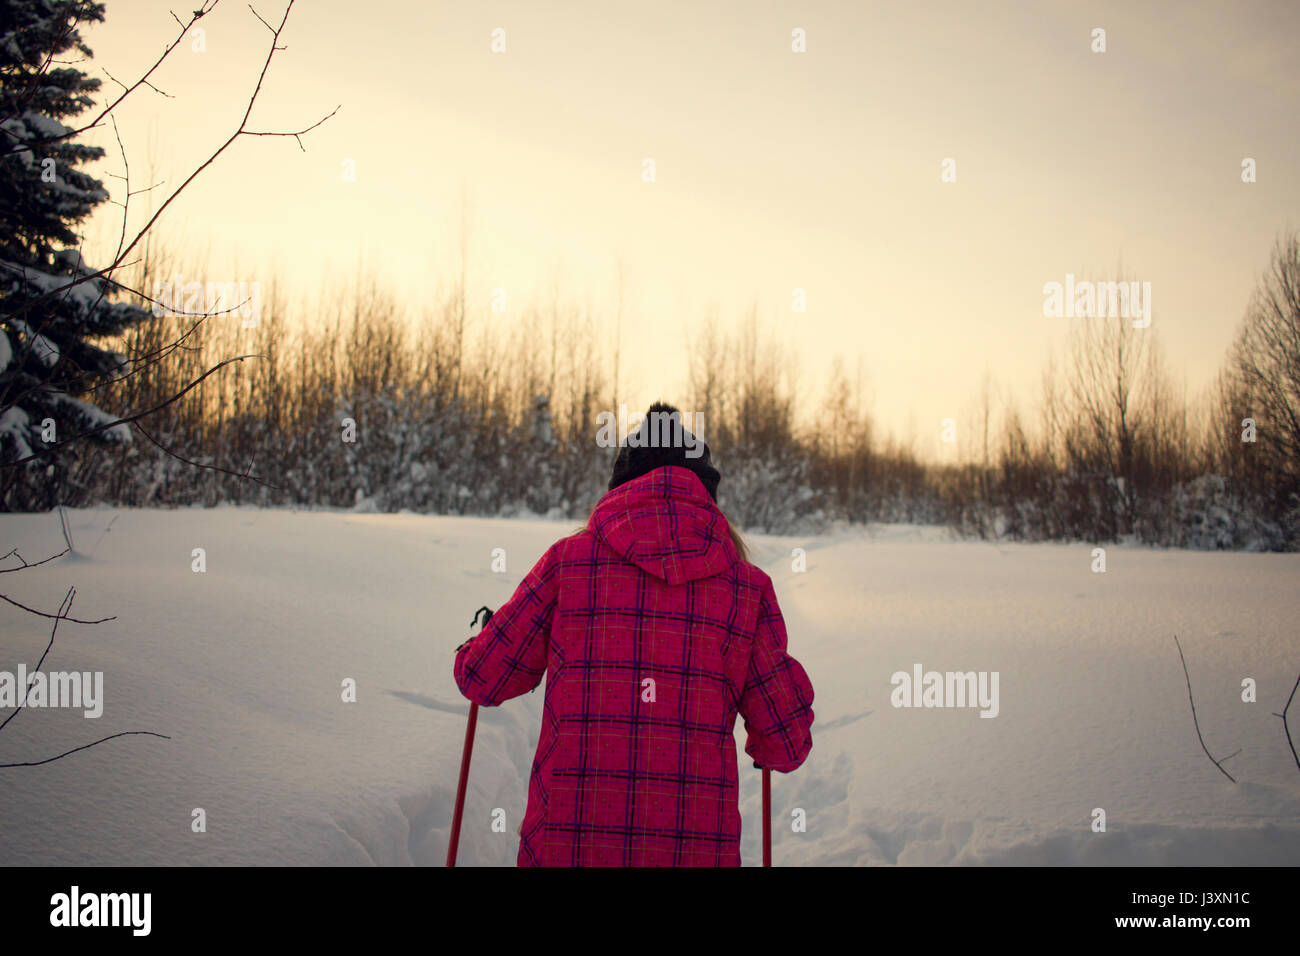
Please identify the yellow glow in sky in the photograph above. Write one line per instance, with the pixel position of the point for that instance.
(775, 170)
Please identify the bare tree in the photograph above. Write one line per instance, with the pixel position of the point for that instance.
(1111, 377)
(1264, 366)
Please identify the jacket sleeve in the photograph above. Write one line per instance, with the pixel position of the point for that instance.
(777, 700)
(508, 656)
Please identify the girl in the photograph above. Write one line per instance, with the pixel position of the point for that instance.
(654, 631)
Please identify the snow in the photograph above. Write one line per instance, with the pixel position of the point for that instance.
(84, 295)
(45, 351)
(242, 666)
(93, 416)
(31, 127)
(44, 126)
(15, 423)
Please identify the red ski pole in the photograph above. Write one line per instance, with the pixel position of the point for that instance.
(767, 818)
(464, 780)
(465, 754)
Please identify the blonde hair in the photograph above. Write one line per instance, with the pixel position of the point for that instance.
(737, 540)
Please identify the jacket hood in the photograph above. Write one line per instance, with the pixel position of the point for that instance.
(666, 523)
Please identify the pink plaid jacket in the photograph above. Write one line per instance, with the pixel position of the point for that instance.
(653, 636)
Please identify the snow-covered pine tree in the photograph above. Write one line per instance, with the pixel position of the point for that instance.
(48, 359)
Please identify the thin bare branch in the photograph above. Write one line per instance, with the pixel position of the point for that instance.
(126, 420)
(1286, 727)
(246, 474)
(1195, 723)
(32, 564)
(125, 733)
(64, 606)
(63, 617)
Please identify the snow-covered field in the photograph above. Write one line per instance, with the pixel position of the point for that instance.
(243, 665)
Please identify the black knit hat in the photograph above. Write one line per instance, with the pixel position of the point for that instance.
(663, 440)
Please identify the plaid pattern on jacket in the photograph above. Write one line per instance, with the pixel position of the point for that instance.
(653, 636)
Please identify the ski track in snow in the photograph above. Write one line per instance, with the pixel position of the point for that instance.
(242, 666)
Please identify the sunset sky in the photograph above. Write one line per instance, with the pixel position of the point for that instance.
(775, 170)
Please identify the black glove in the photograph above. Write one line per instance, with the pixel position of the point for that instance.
(487, 616)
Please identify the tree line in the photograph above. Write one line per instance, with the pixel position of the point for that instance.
(358, 402)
